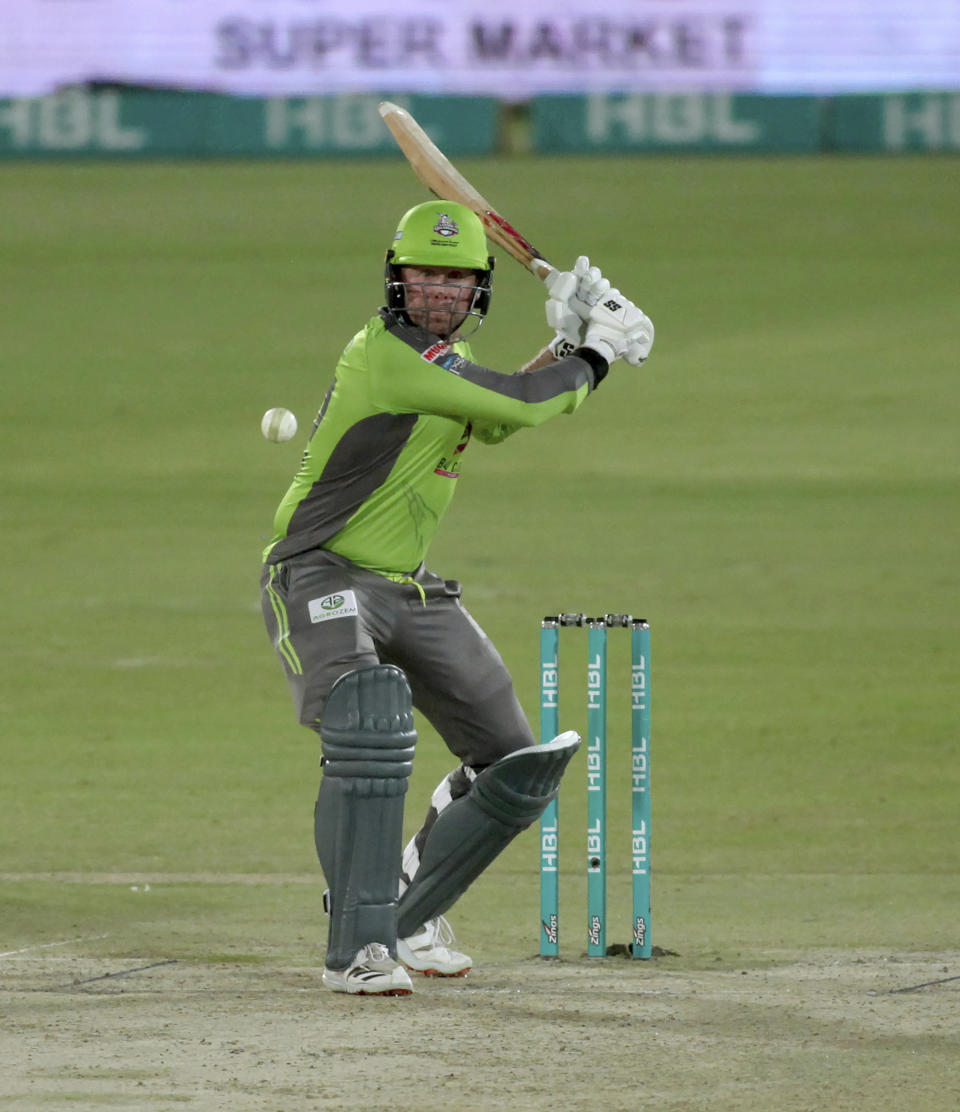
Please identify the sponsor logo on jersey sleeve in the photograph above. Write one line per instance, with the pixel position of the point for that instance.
(443, 355)
(436, 352)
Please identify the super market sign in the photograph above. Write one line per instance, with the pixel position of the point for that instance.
(303, 47)
(504, 48)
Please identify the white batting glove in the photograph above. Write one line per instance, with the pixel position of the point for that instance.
(561, 317)
(591, 286)
(618, 329)
(641, 343)
(573, 293)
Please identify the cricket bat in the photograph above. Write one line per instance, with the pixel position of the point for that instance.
(443, 179)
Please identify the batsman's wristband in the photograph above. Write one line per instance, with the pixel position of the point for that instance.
(597, 362)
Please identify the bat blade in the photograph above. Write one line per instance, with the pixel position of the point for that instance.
(442, 178)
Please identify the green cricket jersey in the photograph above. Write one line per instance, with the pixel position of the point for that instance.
(384, 457)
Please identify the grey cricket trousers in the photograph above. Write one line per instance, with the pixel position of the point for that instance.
(326, 616)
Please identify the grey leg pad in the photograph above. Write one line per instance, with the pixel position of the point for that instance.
(368, 745)
(469, 833)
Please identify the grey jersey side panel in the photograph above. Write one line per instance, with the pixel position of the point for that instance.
(565, 375)
(557, 378)
(358, 465)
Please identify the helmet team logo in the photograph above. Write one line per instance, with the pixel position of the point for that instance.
(446, 226)
(342, 604)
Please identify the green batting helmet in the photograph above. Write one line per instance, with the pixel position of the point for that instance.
(441, 233)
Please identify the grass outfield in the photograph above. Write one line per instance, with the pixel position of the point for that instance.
(777, 492)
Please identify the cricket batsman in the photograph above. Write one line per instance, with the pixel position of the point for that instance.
(366, 633)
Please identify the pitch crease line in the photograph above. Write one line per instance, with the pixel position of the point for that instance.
(48, 945)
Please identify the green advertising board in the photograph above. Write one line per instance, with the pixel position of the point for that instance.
(128, 123)
(80, 122)
(896, 122)
(659, 122)
(141, 123)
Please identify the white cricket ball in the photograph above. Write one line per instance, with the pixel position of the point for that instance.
(278, 424)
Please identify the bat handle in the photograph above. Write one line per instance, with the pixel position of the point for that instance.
(541, 268)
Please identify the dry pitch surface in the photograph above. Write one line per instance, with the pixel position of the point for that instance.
(843, 1030)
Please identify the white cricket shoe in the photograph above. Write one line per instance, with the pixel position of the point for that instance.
(428, 951)
(373, 973)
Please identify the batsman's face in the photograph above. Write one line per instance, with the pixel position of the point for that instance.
(438, 297)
